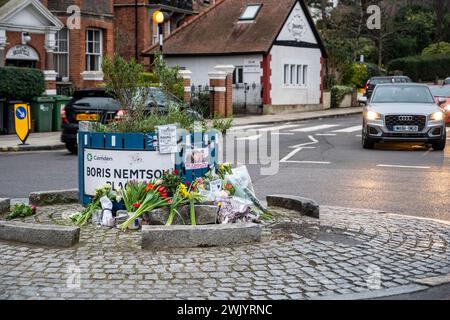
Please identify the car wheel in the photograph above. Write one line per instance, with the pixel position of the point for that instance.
(367, 143)
(439, 146)
(72, 147)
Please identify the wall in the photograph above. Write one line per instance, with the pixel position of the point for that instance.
(200, 66)
(295, 95)
(296, 45)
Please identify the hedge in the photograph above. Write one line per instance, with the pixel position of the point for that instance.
(422, 68)
(21, 83)
(338, 94)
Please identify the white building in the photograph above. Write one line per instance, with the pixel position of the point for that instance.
(276, 50)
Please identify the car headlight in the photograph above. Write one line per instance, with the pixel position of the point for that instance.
(372, 115)
(437, 116)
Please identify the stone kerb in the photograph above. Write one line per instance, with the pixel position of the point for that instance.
(303, 206)
(38, 234)
(161, 237)
(44, 198)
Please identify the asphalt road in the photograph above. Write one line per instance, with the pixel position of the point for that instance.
(322, 160)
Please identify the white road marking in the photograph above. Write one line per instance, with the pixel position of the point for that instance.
(399, 166)
(300, 147)
(250, 138)
(349, 130)
(246, 127)
(308, 162)
(313, 141)
(326, 134)
(282, 133)
(316, 128)
(359, 135)
(278, 128)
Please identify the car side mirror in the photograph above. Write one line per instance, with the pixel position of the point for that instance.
(363, 100)
(441, 100)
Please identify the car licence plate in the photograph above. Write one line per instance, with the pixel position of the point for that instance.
(406, 128)
(86, 117)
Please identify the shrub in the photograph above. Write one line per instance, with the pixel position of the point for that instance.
(355, 74)
(338, 93)
(437, 48)
(424, 68)
(200, 103)
(21, 83)
(168, 77)
(374, 71)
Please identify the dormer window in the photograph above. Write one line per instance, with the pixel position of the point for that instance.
(250, 12)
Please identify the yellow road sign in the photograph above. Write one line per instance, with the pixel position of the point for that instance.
(22, 120)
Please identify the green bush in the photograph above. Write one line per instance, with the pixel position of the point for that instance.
(437, 48)
(374, 71)
(422, 68)
(21, 83)
(338, 93)
(355, 74)
(200, 103)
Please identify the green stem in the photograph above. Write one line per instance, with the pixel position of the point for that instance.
(192, 212)
(172, 214)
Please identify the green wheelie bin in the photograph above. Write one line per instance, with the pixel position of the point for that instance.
(42, 113)
(59, 103)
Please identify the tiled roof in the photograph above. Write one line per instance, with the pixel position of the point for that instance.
(218, 31)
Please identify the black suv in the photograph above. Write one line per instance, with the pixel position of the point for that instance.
(372, 83)
(98, 105)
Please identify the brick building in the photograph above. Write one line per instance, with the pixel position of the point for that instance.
(67, 39)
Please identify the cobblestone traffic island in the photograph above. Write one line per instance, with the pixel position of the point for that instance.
(349, 253)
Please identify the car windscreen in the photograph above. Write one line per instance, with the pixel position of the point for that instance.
(103, 103)
(158, 97)
(440, 91)
(380, 80)
(402, 94)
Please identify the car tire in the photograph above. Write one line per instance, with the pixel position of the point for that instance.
(72, 147)
(367, 143)
(439, 146)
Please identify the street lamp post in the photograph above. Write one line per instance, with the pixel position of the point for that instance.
(159, 17)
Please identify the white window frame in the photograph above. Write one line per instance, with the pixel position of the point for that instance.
(99, 55)
(236, 78)
(295, 75)
(305, 75)
(58, 53)
(243, 16)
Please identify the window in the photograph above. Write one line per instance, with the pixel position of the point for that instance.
(238, 75)
(295, 75)
(293, 67)
(305, 75)
(94, 49)
(250, 12)
(61, 54)
(286, 74)
(299, 74)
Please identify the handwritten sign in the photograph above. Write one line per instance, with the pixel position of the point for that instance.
(167, 139)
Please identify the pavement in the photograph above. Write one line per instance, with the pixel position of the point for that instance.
(35, 142)
(347, 254)
(51, 140)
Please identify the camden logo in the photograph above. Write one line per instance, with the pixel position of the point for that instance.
(89, 157)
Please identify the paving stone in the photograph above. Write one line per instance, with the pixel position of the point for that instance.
(113, 266)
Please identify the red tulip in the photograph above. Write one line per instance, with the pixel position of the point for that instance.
(176, 172)
(137, 205)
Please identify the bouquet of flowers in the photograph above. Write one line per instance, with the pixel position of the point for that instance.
(82, 218)
(140, 198)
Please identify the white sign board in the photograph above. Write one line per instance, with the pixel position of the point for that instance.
(117, 167)
(252, 66)
(167, 136)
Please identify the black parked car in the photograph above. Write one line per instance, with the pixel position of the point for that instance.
(374, 81)
(99, 105)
